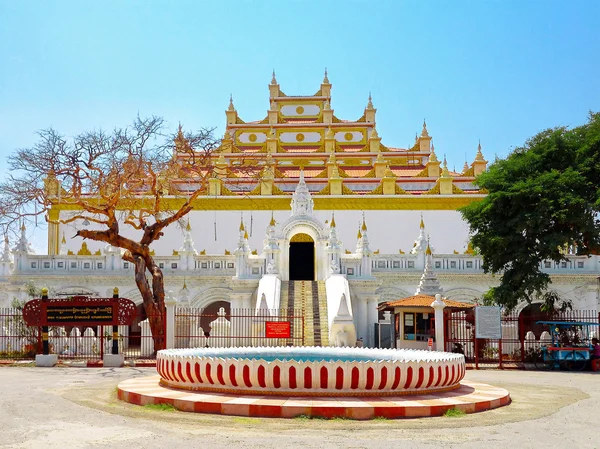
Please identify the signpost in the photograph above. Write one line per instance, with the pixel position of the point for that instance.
(278, 329)
(78, 311)
(488, 322)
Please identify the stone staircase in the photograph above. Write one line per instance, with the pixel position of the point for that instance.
(308, 297)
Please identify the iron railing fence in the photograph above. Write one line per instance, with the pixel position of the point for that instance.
(197, 327)
(21, 342)
(521, 339)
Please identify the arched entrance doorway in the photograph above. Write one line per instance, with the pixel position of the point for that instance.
(302, 258)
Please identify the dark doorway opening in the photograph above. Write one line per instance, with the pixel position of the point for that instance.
(302, 261)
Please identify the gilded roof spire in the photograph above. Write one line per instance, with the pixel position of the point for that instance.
(231, 107)
(416, 138)
(242, 224)
(364, 223)
(359, 235)
(332, 225)
(479, 155)
(465, 167)
(388, 172)
(424, 132)
(422, 224)
(272, 222)
(184, 284)
(428, 250)
(325, 79)
(245, 235)
(273, 79)
(64, 240)
(432, 155)
(188, 227)
(374, 134)
(445, 172)
(370, 103)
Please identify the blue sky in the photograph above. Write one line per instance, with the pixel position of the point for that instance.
(498, 71)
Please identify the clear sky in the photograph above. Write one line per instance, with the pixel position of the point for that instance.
(498, 71)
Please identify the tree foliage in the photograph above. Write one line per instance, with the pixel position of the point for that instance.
(543, 201)
(138, 176)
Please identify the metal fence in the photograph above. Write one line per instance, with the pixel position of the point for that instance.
(521, 339)
(198, 328)
(21, 342)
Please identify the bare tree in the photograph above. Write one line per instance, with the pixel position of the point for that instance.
(136, 176)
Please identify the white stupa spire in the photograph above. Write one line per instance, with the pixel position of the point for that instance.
(6, 254)
(188, 242)
(421, 242)
(302, 202)
(429, 284)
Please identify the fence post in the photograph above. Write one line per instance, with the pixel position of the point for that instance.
(115, 329)
(170, 303)
(438, 307)
(45, 359)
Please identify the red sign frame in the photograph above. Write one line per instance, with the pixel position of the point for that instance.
(79, 311)
(278, 329)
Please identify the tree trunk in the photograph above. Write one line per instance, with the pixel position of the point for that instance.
(153, 301)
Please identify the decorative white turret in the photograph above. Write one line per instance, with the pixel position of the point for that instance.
(420, 245)
(334, 248)
(302, 202)
(429, 284)
(363, 250)
(271, 248)
(63, 246)
(6, 260)
(23, 246)
(241, 252)
(187, 251)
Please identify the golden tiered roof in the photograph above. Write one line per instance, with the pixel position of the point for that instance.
(303, 133)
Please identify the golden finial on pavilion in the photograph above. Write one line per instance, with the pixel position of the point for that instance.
(272, 222)
(231, 107)
(64, 240)
(479, 155)
(273, 79)
(370, 103)
(184, 285)
(374, 134)
(332, 225)
(465, 167)
(424, 132)
(416, 138)
(188, 228)
(364, 223)
(445, 172)
(432, 155)
(422, 224)
(245, 235)
(325, 79)
(388, 172)
(428, 250)
(359, 235)
(242, 225)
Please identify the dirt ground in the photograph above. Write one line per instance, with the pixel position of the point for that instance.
(78, 408)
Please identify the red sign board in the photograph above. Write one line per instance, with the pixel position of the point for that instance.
(278, 329)
(430, 342)
(79, 311)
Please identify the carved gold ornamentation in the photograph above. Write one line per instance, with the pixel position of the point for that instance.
(348, 136)
(227, 253)
(252, 137)
(299, 110)
(175, 252)
(84, 251)
(300, 137)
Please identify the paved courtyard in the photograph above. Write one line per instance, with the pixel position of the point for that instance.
(78, 408)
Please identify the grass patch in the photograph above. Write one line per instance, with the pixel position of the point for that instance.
(380, 418)
(302, 417)
(454, 413)
(160, 407)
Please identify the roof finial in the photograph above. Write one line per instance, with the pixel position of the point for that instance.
(359, 235)
(188, 228)
(273, 79)
(422, 224)
(325, 79)
(374, 134)
(424, 132)
(479, 155)
(364, 224)
(272, 222)
(184, 285)
(432, 155)
(242, 224)
(332, 225)
(231, 107)
(370, 103)
(64, 240)
(416, 137)
(445, 172)
(428, 250)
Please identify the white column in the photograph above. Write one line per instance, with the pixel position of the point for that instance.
(361, 320)
(371, 320)
(438, 305)
(170, 303)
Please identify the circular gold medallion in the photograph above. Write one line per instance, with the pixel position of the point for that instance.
(299, 110)
(300, 137)
(348, 136)
(252, 137)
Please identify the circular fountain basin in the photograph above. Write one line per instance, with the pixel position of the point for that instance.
(310, 371)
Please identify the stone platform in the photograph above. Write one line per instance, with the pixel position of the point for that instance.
(470, 397)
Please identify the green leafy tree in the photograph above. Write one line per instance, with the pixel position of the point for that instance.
(544, 197)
